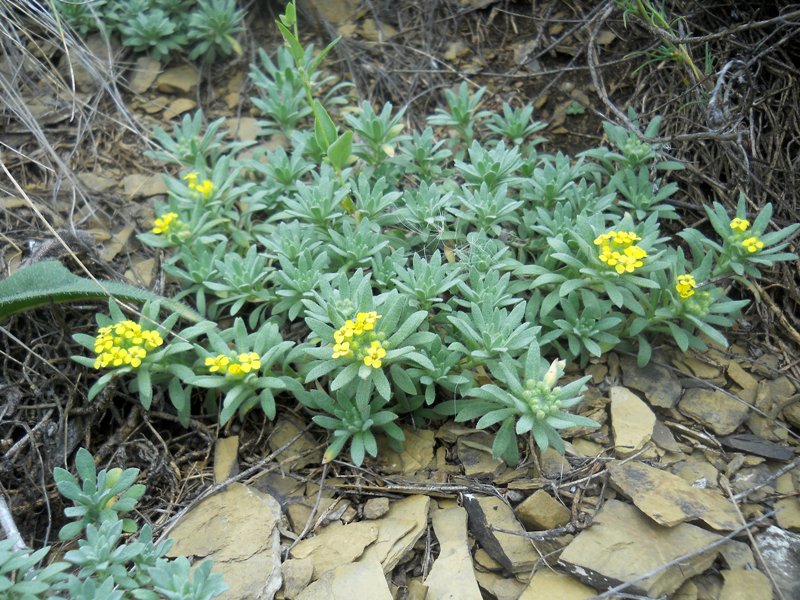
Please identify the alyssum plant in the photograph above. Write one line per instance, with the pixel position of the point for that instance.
(102, 564)
(374, 274)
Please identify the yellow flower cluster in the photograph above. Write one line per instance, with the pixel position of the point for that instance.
(751, 244)
(205, 188)
(166, 224)
(685, 286)
(740, 224)
(242, 364)
(618, 250)
(347, 342)
(124, 343)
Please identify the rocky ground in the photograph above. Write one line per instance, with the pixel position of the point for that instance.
(690, 489)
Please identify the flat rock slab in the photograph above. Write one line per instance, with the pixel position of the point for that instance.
(669, 499)
(451, 577)
(713, 409)
(237, 529)
(659, 384)
(632, 421)
(488, 515)
(363, 579)
(623, 545)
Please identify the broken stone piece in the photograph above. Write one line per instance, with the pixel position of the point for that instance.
(487, 515)
(541, 511)
(451, 577)
(305, 448)
(144, 186)
(499, 586)
(237, 529)
(713, 409)
(554, 465)
(475, 454)
(781, 552)
(550, 585)
(363, 579)
(745, 585)
(658, 384)
(741, 377)
(226, 452)
(144, 73)
(486, 562)
(245, 129)
(417, 452)
(632, 421)
(787, 513)
(623, 545)
(375, 508)
(335, 545)
(297, 573)
(669, 499)
(177, 107)
(398, 531)
(178, 80)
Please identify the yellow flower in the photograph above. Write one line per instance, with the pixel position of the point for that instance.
(249, 361)
(753, 244)
(740, 224)
(341, 349)
(191, 179)
(167, 224)
(375, 353)
(206, 188)
(218, 363)
(235, 369)
(685, 285)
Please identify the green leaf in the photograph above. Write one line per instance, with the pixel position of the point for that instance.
(505, 443)
(335, 447)
(324, 127)
(49, 281)
(382, 384)
(84, 464)
(345, 376)
(340, 150)
(407, 328)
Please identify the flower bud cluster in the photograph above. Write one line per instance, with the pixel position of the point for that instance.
(124, 344)
(541, 398)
